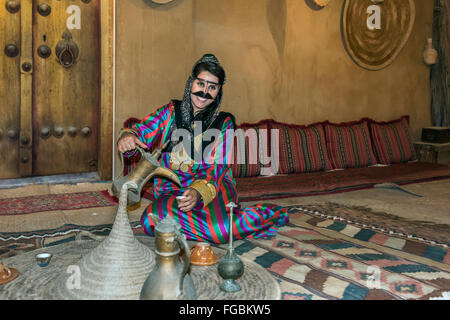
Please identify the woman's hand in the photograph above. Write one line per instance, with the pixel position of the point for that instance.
(128, 142)
(190, 200)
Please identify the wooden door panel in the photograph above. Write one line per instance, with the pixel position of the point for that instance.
(66, 98)
(9, 94)
(26, 80)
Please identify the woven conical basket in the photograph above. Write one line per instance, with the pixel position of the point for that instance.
(115, 269)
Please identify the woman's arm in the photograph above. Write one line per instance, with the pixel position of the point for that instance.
(144, 133)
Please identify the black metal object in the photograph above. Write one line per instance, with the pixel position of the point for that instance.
(44, 9)
(67, 50)
(11, 50)
(44, 51)
(436, 134)
(12, 6)
(45, 132)
(26, 66)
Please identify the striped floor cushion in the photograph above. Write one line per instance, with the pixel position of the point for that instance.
(302, 148)
(392, 141)
(246, 152)
(349, 144)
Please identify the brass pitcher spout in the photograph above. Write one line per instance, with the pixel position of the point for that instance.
(147, 168)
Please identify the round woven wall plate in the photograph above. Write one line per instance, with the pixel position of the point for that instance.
(161, 1)
(376, 49)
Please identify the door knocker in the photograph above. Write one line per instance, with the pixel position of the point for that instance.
(67, 50)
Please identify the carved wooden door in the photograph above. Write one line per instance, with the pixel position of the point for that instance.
(50, 89)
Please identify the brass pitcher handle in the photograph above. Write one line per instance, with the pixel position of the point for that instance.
(182, 241)
(153, 158)
(123, 162)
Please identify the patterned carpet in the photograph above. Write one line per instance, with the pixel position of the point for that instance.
(417, 237)
(327, 252)
(311, 265)
(51, 202)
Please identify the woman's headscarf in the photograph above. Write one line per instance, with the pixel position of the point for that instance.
(208, 115)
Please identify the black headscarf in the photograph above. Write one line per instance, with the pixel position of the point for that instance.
(210, 116)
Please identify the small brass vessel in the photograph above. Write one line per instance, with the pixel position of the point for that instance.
(170, 279)
(230, 267)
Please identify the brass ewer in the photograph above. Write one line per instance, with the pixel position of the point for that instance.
(147, 167)
(170, 278)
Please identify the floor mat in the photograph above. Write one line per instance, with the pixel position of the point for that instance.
(310, 261)
(418, 237)
(51, 202)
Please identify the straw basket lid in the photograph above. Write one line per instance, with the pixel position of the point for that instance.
(115, 269)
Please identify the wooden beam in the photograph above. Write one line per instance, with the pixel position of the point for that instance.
(107, 89)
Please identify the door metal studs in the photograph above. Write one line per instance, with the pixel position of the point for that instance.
(45, 132)
(11, 50)
(12, 134)
(58, 132)
(72, 131)
(26, 66)
(44, 51)
(25, 140)
(44, 9)
(86, 131)
(12, 6)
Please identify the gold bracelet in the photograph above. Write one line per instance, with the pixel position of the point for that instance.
(206, 190)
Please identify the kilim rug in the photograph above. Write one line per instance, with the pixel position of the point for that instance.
(313, 264)
(51, 202)
(15, 243)
(379, 227)
(316, 257)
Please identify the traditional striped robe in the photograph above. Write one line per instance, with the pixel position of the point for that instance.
(206, 222)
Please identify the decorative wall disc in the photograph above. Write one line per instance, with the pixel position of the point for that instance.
(374, 32)
(321, 3)
(161, 1)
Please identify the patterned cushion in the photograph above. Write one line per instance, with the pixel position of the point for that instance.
(392, 141)
(302, 148)
(246, 160)
(349, 144)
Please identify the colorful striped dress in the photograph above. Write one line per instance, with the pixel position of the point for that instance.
(209, 221)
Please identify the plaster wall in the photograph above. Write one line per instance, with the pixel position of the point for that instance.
(283, 59)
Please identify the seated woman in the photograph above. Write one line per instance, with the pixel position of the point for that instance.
(203, 166)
